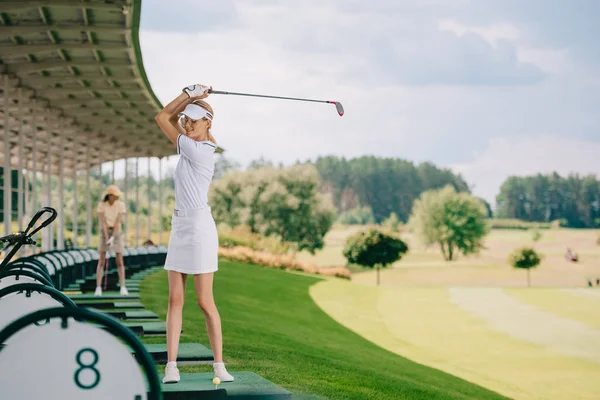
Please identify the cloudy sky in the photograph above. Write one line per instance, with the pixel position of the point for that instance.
(487, 88)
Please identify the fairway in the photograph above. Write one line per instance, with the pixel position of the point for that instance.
(427, 326)
(426, 267)
(272, 327)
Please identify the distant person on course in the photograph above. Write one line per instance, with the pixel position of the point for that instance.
(111, 212)
(194, 243)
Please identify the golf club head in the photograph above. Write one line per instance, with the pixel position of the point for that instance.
(339, 108)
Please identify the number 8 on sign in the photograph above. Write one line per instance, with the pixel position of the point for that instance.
(90, 366)
(74, 359)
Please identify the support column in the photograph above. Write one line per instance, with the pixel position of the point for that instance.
(101, 179)
(160, 202)
(60, 234)
(34, 200)
(149, 199)
(137, 201)
(75, 224)
(126, 201)
(20, 161)
(88, 199)
(49, 230)
(7, 207)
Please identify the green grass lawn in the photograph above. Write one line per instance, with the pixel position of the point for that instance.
(272, 327)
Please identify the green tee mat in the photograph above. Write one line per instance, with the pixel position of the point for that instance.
(105, 296)
(147, 328)
(128, 314)
(107, 305)
(188, 353)
(247, 385)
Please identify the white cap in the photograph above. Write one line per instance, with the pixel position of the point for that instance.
(196, 112)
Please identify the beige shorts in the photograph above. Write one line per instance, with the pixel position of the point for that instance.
(117, 245)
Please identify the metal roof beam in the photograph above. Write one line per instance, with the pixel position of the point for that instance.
(75, 103)
(48, 65)
(18, 30)
(23, 50)
(12, 6)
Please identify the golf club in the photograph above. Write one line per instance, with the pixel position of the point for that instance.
(338, 105)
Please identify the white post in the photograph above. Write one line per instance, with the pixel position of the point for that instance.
(113, 171)
(160, 203)
(149, 199)
(60, 236)
(49, 231)
(7, 215)
(137, 202)
(75, 225)
(101, 180)
(125, 200)
(34, 202)
(88, 199)
(20, 161)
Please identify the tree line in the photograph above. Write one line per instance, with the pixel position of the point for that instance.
(385, 185)
(574, 200)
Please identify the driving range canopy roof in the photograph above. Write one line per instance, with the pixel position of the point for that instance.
(74, 69)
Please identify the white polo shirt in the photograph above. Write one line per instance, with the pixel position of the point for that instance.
(194, 172)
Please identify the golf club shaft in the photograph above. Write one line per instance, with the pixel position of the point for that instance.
(270, 97)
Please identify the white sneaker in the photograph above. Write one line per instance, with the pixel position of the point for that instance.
(124, 291)
(98, 291)
(221, 372)
(171, 375)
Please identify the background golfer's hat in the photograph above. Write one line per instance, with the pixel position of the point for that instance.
(114, 190)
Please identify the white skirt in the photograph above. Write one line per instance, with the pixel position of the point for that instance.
(193, 243)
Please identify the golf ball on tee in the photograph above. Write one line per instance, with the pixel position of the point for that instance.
(216, 381)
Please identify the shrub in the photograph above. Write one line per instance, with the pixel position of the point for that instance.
(242, 236)
(373, 248)
(279, 261)
(525, 258)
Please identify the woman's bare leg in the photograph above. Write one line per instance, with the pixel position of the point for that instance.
(175, 313)
(100, 268)
(203, 284)
(121, 269)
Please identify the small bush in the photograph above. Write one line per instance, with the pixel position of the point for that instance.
(373, 248)
(242, 236)
(524, 258)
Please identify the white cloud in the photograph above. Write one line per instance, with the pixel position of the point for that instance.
(525, 156)
(413, 87)
(492, 33)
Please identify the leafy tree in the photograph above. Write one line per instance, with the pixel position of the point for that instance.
(283, 202)
(373, 248)
(488, 207)
(357, 216)
(454, 221)
(385, 185)
(574, 200)
(392, 222)
(525, 258)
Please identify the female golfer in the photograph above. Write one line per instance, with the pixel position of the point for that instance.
(111, 212)
(194, 243)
